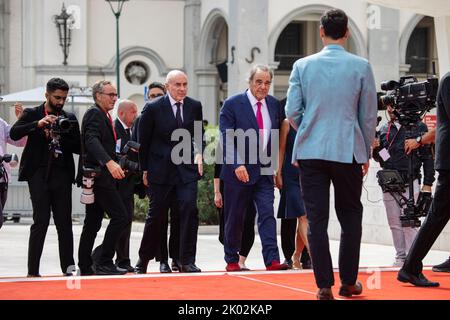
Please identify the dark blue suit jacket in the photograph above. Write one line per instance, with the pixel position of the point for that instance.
(156, 126)
(237, 113)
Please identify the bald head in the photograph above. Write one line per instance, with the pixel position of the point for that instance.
(127, 112)
(176, 84)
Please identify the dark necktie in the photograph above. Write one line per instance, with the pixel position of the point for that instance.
(178, 115)
(128, 132)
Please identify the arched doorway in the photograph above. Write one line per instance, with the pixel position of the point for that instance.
(418, 48)
(297, 35)
(212, 70)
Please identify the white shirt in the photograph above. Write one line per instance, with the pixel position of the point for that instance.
(174, 106)
(265, 114)
(4, 139)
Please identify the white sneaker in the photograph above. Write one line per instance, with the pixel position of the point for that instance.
(243, 267)
(398, 262)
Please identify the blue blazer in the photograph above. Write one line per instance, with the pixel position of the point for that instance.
(332, 102)
(237, 113)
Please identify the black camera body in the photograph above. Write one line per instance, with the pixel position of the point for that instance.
(61, 125)
(409, 98)
(87, 194)
(129, 157)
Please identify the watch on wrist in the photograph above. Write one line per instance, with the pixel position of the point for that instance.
(419, 140)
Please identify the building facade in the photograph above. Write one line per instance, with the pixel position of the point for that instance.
(215, 42)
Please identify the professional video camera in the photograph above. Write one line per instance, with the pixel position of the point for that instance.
(410, 101)
(129, 157)
(60, 126)
(89, 174)
(409, 98)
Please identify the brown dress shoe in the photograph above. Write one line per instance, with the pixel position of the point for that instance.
(348, 291)
(325, 294)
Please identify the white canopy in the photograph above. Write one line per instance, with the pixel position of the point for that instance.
(434, 8)
(37, 95)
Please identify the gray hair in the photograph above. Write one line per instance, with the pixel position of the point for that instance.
(259, 67)
(98, 88)
(172, 74)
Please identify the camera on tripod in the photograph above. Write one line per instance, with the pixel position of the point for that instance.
(409, 98)
(129, 157)
(410, 101)
(89, 175)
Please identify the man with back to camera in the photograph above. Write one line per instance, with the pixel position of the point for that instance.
(332, 102)
(439, 213)
(48, 167)
(99, 139)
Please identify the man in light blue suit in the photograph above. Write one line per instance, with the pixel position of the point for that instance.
(332, 103)
(246, 173)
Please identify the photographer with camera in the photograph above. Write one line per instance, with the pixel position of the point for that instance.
(6, 160)
(48, 167)
(127, 113)
(439, 213)
(98, 143)
(391, 155)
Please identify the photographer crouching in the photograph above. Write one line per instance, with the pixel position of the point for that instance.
(390, 152)
(48, 167)
(100, 172)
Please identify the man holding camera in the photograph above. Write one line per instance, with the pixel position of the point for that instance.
(391, 151)
(439, 213)
(48, 167)
(99, 140)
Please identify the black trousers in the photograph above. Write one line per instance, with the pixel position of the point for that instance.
(123, 243)
(106, 200)
(54, 195)
(315, 178)
(174, 238)
(3, 197)
(435, 222)
(160, 198)
(248, 231)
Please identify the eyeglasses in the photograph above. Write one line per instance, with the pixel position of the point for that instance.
(111, 95)
(156, 95)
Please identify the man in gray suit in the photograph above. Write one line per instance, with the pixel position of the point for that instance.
(332, 103)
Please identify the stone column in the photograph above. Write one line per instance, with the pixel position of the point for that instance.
(248, 40)
(192, 17)
(383, 41)
(442, 27)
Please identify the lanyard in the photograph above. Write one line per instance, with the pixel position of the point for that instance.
(112, 126)
(387, 135)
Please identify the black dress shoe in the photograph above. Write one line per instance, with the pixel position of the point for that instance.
(417, 280)
(33, 275)
(87, 272)
(109, 270)
(164, 267)
(189, 268)
(348, 291)
(443, 267)
(175, 265)
(141, 267)
(127, 267)
(325, 294)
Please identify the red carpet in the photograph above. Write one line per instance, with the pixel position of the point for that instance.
(288, 285)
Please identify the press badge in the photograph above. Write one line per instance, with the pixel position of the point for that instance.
(384, 154)
(118, 144)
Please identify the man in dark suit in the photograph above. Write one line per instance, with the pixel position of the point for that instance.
(164, 173)
(439, 213)
(99, 139)
(48, 167)
(247, 178)
(126, 115)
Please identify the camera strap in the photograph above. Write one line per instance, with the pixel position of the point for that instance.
(395, 136)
